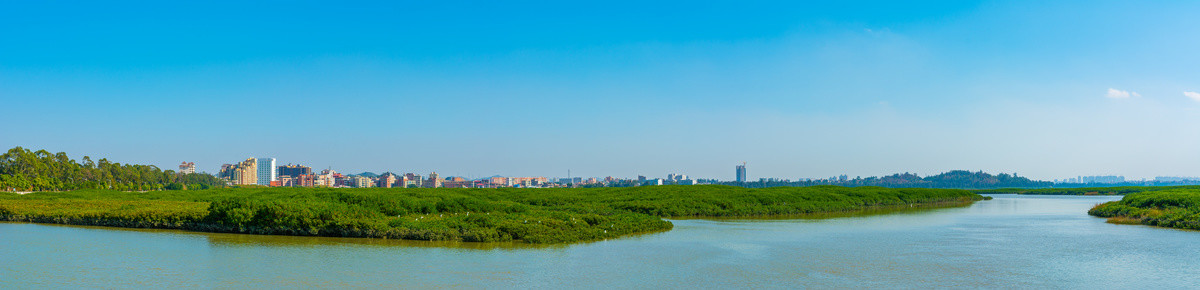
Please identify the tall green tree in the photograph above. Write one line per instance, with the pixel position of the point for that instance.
(25, 170)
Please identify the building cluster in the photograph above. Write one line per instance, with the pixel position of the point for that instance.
(1122, 180)
(265, 172)
(1109, 179)
(1169, 179)
(241, 173)
(678, 179)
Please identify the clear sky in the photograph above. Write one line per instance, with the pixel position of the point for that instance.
(621, 88)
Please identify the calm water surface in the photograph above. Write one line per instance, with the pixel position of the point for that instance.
(1008, 242)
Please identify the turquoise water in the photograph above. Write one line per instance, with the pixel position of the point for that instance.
(1008, 242)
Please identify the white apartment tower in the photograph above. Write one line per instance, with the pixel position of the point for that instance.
(266, 171)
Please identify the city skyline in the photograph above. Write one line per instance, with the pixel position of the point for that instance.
(864, 88)
(739, 175)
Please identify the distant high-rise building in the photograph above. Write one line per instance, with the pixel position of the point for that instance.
(242, 173)
(187, 168)
(741, 172)
(225, 171)
(387, 180)
(266, 171)
(362, 182)
(293, 170)
(412, 179)
(435, 181)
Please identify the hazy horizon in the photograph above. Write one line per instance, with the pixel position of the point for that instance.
(797, 90)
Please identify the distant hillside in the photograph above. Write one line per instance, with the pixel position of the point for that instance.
(967, 179)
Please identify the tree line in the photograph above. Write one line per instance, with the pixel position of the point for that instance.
(25, 170)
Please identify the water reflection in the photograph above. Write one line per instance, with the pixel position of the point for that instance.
(909, 210)
(1008, 242)
(231, 240)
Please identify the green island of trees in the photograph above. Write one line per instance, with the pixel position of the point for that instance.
(1176, 208)
(555, 215)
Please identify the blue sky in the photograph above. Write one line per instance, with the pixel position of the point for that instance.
(1046, 90)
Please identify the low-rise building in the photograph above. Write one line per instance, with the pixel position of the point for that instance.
(362, 182)
(387, 180)
(187, 168)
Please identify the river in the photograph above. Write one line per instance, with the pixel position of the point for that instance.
(1008, 242)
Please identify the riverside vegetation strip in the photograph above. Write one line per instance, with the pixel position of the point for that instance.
(555, 215)
(1176, 208)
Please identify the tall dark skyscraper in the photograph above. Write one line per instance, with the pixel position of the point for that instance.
(741, 172)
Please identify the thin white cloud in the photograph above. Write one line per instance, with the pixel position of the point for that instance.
(1117, 94)
(1135, 94)
(1193, 95)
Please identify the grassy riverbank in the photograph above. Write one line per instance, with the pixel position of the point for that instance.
(530, 215)
(1116, 190)
(1179, 208)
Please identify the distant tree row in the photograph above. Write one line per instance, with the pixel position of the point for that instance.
(25, 170)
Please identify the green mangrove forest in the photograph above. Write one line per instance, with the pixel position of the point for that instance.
(1176, 208)
(552, 215)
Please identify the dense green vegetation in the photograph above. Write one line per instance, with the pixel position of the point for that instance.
(1119, 190)
(1177, 208)
(24, 170)
(530, 215)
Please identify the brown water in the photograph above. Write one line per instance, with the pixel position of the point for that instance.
(1008, 242)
